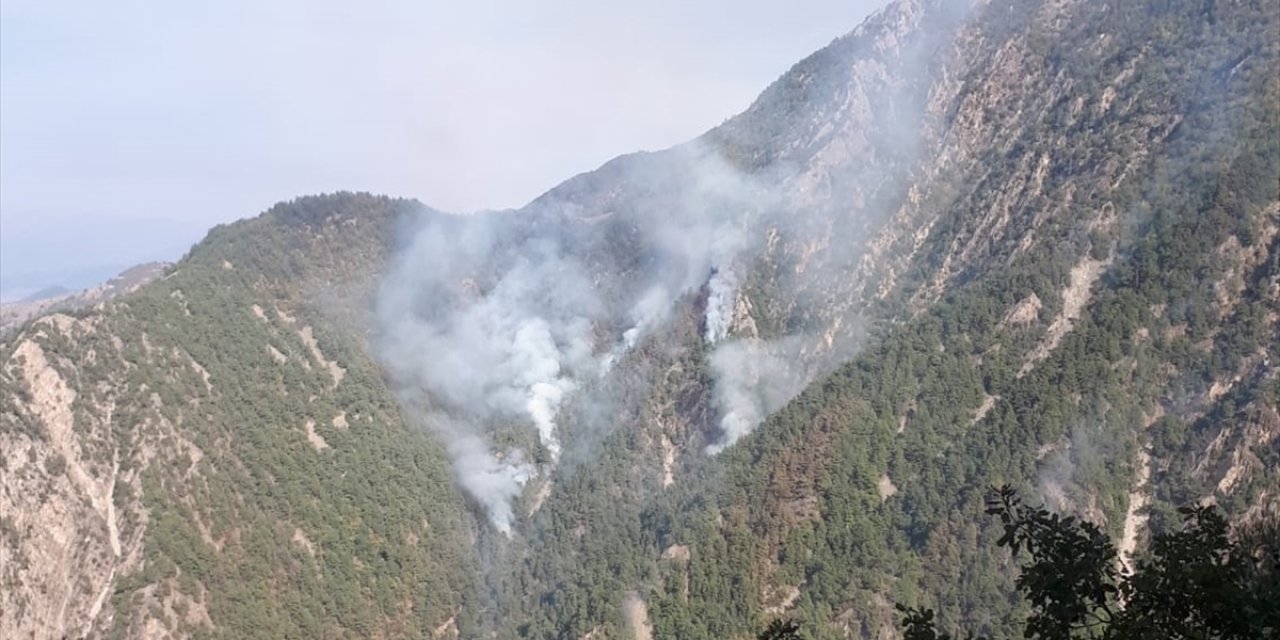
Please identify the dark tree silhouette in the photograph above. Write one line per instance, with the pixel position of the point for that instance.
(781, 630)
(1204, 581)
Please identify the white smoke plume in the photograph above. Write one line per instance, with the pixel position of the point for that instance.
(722, 289)
(721, 298)
(753, 378)
(494, 322)
(491, 344)
(501, 325)
(497, 322)
(651, 311)
(492, 480)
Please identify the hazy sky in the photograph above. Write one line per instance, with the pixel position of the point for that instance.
(128, 128)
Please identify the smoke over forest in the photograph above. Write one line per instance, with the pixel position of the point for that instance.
(493, 324)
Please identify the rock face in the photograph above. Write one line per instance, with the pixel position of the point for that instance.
(58, 496)
(75, 521)
(1018, 241)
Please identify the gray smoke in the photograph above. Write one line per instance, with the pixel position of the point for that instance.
(721, 298)
(493, 480)
(491, 344)
(753, 378)
(494, 322)
(502, 322)
(502, 326)
(1059, 475)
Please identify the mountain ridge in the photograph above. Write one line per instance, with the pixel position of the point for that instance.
(1064, 278)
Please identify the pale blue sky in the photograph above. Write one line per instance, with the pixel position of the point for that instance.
(128, 128)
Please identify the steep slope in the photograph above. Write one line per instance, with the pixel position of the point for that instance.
(1031, 236)
(216, 455)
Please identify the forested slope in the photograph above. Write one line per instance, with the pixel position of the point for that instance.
(1081, 300)
(216, 455)
(1023, 242)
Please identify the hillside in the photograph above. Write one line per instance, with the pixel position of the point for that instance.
(13, 314)
(768, 372)
(216, 454)
(1032, 269)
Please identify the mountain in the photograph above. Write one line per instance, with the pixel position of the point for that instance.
(768, 372)
(16, 285)
(47, 292)
(13, 314)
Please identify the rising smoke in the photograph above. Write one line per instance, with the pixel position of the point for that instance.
(491, 324)
(753, 379)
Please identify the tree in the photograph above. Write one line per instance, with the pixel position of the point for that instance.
(1203, 581)
(781, 630)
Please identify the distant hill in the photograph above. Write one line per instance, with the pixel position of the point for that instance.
(58, 298)
(15, 285)
(47, 292)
